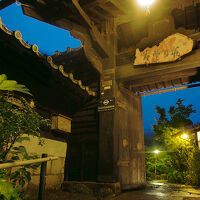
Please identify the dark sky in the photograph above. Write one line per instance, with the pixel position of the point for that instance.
(50, 39)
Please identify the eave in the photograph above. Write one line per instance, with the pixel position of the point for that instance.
(48, 59)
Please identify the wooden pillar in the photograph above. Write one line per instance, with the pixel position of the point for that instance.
(121, 142)
(107, 144)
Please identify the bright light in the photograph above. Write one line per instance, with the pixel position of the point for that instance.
(198, 136)
(156, 151)
(184, 136)
(145, 2)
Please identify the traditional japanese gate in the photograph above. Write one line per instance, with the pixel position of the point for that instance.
(110, 31)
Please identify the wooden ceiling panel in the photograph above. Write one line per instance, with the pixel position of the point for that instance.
(131, 33)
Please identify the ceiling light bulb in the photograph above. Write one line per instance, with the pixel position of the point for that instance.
(145, 2)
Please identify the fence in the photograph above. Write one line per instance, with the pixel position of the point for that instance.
(43, 162)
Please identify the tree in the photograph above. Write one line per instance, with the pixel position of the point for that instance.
(18, 117)
(168, 130)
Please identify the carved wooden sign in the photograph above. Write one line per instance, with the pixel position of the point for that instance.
(169, 50)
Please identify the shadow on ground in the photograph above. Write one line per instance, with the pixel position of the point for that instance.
(155, 190)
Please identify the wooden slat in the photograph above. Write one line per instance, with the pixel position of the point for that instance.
(100, 15)
(119, 6)
(84, 113)
(112, 11)
(84, 130)
(128, 72)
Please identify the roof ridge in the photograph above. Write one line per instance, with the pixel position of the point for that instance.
(68, 50)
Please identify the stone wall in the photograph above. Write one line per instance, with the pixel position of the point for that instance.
(55, 168)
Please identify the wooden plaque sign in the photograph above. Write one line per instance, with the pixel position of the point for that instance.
(169, 50)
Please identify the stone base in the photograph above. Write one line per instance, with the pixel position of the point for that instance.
(93, 188)
(132, 187)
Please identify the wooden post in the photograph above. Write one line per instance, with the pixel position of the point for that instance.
(121, 145)
(107, 142)
(41, 192)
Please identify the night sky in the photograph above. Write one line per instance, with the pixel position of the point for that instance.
(50, 39)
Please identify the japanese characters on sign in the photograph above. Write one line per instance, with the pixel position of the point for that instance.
(169, 50)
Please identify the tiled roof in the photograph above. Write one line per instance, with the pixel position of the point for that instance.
(49, 59)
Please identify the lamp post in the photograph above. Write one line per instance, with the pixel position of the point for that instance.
(156, 152)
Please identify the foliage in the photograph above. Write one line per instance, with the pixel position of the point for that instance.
(21, 175)
(7, 191)
(181, 154)
(10, 85)
(15, 121)
(161, 162)
(18, 121)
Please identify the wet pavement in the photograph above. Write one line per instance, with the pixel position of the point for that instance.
(162, 190)
(155, 190)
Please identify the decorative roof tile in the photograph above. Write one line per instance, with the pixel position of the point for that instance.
(35, 49)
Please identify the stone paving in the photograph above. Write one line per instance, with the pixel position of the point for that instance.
(156, 190)
(163, 191)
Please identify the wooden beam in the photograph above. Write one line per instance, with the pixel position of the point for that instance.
(75, 29)
(5, 3)
(95, 13)
(82, 13)
(170, 89)
(129, 72)
(162, 78)
(95, 3)
(99, 42)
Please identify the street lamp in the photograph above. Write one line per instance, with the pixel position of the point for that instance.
(156, 152)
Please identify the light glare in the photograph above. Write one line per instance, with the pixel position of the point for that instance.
(156, 151)
(184, 136)
(145, 2)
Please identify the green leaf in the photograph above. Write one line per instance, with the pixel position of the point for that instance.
(11, 85)
(2, 78)
(14, 175)
(15, 158)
